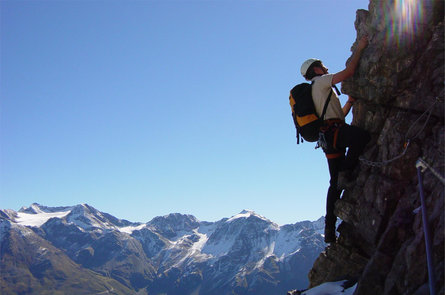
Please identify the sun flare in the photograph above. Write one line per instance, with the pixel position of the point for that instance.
(405, 21)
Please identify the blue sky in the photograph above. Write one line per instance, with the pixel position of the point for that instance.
(144, 108)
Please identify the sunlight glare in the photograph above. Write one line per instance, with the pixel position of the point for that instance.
(405, 21)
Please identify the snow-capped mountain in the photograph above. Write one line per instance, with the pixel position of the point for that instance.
(172, 254)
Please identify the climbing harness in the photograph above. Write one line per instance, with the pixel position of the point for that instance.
(407, 139)
(327, 139)
(322, 142)
(421, 166)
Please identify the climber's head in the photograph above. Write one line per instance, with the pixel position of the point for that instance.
(313, 67)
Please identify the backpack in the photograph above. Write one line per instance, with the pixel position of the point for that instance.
(306, 120)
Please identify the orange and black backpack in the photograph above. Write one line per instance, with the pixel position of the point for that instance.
(306, 120)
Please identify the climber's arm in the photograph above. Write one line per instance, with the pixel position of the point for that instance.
(348, 105)
(352, 65)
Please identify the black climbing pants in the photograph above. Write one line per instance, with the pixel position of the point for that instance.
(333, 191)
(355, 140)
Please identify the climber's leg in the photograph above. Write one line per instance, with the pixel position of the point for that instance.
(333, 196)
(355, 139)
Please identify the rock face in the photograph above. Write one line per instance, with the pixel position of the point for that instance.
(399, 87)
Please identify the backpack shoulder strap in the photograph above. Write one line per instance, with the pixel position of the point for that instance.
(336, 90)
(326, 106)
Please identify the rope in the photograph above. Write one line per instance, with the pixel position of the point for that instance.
(429, 258)
(407, 140)
(429, 111)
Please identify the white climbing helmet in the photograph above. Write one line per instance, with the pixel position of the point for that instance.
(305, 66)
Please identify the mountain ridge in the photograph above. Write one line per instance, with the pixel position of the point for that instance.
(175, 253)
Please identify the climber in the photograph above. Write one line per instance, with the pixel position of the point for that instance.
(337, 134)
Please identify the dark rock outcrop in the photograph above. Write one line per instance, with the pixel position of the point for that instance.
(399, 87)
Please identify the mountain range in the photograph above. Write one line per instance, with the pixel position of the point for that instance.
(80, 250)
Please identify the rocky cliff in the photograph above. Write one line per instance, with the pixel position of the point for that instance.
(400, 90)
